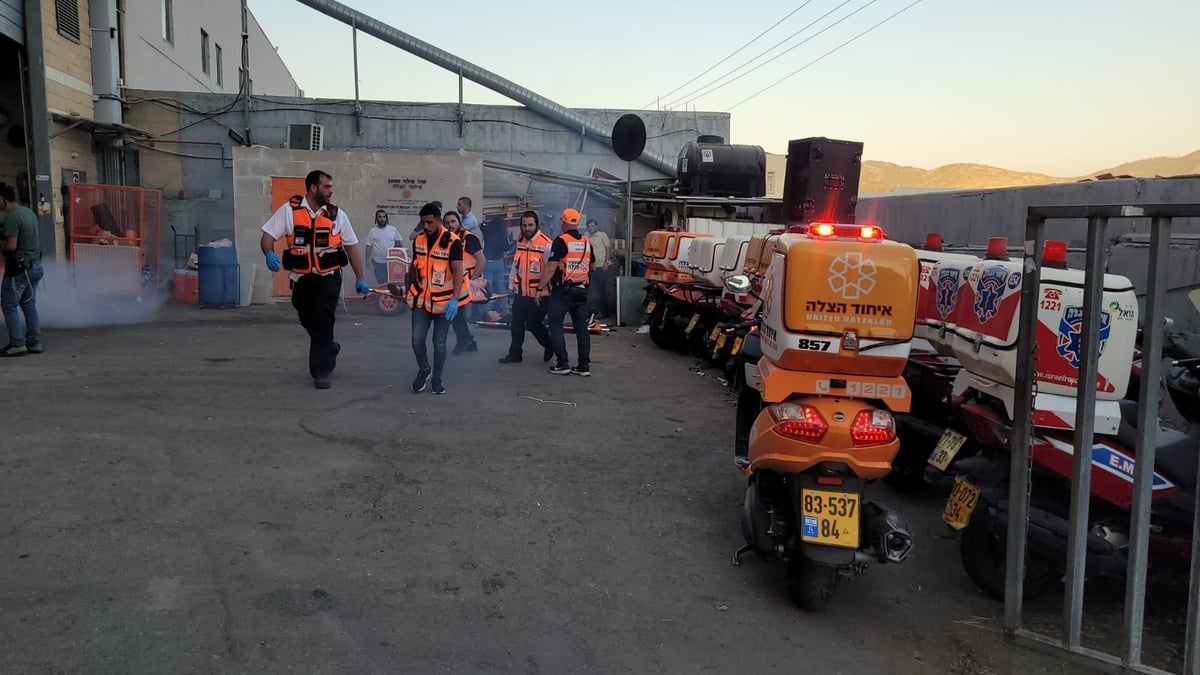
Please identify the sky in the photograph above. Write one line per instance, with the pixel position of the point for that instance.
(1062, 87)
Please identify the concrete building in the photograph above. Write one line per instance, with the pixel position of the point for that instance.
(71, 62)
(178, 45)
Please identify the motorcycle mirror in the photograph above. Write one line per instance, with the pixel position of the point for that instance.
(738, 283)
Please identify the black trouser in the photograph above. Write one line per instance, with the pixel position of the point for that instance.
(598, 297)
(462, 333)
(527, 315)
(570, 300)
(315, 298)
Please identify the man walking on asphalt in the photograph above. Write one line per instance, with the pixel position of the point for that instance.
(569, 271)
(22, 272)
(320, 242)
(528, 309)
(435, 283)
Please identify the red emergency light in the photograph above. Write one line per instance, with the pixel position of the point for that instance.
(997, 248)
(1054, 254)
(860, 232)
(933, 241)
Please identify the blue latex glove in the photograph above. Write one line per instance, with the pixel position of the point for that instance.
(452, 309)
(362, 287)
(273, 261)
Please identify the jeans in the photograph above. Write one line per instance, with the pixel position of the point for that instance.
(421, 321)
(380, 269)
(496, 277)
(527, 314)
(315, 298)
(572, 300)
(18, 299)
(598, 288)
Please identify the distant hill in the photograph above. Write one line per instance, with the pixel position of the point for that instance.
(885, 176)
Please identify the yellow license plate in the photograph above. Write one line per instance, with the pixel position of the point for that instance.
(714, 334)
(829, 518)
(692, 324)
(961, 503)
(650, 306)
(737, 347)
(946, 449)
(721, 340)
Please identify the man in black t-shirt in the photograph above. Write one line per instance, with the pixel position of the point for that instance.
(496, 245)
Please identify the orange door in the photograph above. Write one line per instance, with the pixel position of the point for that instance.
(283, 188)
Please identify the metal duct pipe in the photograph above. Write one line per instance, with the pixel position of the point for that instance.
(535, 102)
(105, 61)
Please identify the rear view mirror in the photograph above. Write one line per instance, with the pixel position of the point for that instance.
(738, 283)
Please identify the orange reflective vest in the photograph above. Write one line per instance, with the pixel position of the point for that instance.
(527, 265)
(464, 298)
(431, 280)
(576, 265)
(313, 247)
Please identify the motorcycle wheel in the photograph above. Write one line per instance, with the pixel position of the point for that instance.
(812, 584)
(984, 555)
(388, 305)
(656, 327)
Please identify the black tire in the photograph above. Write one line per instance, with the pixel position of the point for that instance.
(905, 480)
(812, 584)
(984, 549)
(656, 327)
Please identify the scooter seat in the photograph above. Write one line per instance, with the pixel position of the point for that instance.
(1176, 456)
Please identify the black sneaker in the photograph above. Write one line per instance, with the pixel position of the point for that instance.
(421, 380)
(471, 347)
(509, 358)
(33, 347)
(438, 388)
(560, 370)
(321, 383)
(582, 372)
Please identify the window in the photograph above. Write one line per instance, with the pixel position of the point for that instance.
(66, 16)
(220, 68)
(204, 51)
(168, 21)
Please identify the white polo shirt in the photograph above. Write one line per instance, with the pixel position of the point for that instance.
(280, 225)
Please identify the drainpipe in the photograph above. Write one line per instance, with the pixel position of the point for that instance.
(106, 63)
(40, 188)
(535, 102)
(245, 83)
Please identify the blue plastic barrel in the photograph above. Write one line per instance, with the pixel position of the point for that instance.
(218, 272)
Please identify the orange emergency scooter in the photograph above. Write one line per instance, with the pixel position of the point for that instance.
(815, 425)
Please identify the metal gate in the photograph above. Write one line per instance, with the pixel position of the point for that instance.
(1069, 643)
(114, 239)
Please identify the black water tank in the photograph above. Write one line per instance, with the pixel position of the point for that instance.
(717, 169)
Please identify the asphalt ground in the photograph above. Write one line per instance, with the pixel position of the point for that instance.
(175, 496)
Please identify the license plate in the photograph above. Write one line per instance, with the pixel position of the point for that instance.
(945, 450)
(692, 324)
(714, 334)
(721, 340)
(961, 503)
(737, 347)
(829, 518)
(650, 306)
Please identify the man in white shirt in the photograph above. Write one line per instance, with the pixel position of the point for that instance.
(319, 243)
(469, 222)
(598, 300)
(381, 237)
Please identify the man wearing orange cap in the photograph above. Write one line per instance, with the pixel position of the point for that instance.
(569, 272)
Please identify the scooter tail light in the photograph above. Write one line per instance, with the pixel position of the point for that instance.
(873, 427)
(801, 422)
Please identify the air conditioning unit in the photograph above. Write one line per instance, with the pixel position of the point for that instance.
(306, 136)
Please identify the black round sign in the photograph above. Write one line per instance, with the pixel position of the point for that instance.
(629, 137)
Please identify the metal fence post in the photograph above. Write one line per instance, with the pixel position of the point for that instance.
(1019, 468)
(1081, 480)
(1143, 477)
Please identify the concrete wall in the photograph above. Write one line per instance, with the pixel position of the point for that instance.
(152, 62)
(506, 133)
(969, 218)
(363, 182)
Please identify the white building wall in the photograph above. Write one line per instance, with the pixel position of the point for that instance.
(154, 62)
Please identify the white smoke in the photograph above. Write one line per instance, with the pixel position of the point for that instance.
(72, 296)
